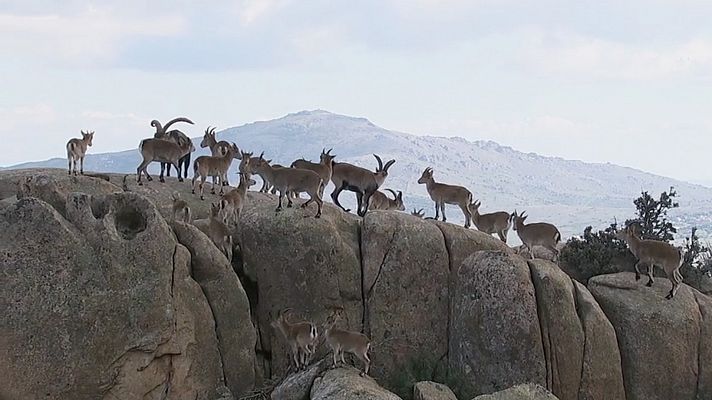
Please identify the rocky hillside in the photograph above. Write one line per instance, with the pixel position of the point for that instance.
(572, 194)
(104, 297)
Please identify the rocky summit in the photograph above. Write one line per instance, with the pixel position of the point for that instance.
(103, 296)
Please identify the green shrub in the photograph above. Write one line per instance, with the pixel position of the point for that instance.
(594, 253)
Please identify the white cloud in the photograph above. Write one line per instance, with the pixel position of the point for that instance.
(599, 58)
(317, 40)
(91, 36)
(24, 116)
(249, 11)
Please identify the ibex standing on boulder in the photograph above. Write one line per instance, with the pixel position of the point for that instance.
(340, 341)
(162, 150)
(77, 149)
(536, 234)
(324, 168)
(442, 194)
(234, 200)
(217, 148)
(216, 167)
(291, 180)
(360, 181)
(181, 209)
(216, 229)
(175, 135)
(652, 253)
(301, 337)
(497, 222)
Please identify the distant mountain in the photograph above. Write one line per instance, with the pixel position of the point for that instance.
(571, 194)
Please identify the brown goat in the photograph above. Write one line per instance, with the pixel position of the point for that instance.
(77, 149)
(292, 180)
(442, 194)
(214, 166)
(163, 151)
(652, 253)
(379, 201)
(358, 180)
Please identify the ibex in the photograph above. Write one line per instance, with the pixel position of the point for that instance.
(217, 148)
(442, 194)
(324, 169)
(301, 337)
(265, 174)
(77, 149)
(163, 151)
(654, 252)
(379, 201)
(181, 210)
(216, 229)
(497, 222)
(162, 132)
(214, 166)
(340, 341)
(358, 180)
(536, 234)
(234, 200)
(292, 180)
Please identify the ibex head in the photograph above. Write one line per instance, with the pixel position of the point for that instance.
(398, 199)
(427, 176)
(87, 137)
(208, 137)
(326, 157)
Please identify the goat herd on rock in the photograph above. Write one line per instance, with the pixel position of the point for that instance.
(174, 148)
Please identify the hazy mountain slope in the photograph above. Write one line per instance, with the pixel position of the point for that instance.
(571, 194)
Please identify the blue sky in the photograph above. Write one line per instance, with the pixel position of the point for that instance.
(626, 82)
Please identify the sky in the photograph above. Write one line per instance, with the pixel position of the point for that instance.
(626, 82)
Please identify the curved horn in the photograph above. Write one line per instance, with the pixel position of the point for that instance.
(380, 163)
(388, 165)
(157, 125)
(207, 130)
(213, 130)
(179, 119)
(329, 152)
(395, 196)
(262, 155)
(400, 195)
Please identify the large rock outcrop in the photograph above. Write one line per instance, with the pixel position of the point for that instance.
(660, 340)
(495, 339)
(521, 392)
(126, 320)
(297, 261)
(347, 384)
(428, 390)
(229, 304)
(405, 287)
(104, 298)
(582, 358)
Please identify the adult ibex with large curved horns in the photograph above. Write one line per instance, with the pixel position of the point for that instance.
(176, 136)
(358, 180)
